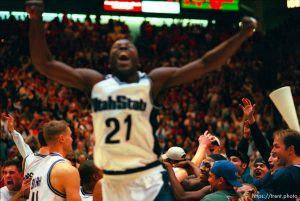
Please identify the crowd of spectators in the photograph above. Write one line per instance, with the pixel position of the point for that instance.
(211, 103)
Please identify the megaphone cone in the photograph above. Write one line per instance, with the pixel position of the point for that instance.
(283, 100)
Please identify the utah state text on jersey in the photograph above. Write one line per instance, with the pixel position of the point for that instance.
(121, 102)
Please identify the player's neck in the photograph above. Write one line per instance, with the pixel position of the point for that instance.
(130, 78)
(58, 150)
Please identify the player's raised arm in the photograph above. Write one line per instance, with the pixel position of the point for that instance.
(167, 77)
(41, 56)
(23, 148)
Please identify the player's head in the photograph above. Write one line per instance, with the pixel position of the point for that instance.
(123, 58)
(286, 145)
(13, 175)
(89, 173)
(58, 133)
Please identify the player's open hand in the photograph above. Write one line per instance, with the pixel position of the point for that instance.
(248, 26)
(34, 8)
(10, 123)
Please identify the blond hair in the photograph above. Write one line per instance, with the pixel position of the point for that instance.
(53, 129)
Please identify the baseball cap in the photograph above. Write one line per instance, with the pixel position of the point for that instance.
(174, 153)
(259, 160)
(243, 157)
(227, 170)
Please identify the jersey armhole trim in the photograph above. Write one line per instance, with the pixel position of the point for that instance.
(150, 95)
(49, 183)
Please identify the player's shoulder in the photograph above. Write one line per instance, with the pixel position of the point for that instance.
(63, 167)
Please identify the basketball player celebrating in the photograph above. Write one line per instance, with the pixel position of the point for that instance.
(122, 105)
(30, 159)
(53, 177)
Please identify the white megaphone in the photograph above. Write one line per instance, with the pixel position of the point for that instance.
(283, 100)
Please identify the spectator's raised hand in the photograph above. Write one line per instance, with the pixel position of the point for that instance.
(248, 25)
(206, 139)
(247, 131)
(248, 110)
(34, 8)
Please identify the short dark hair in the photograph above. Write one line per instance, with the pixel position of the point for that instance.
(86, 171)
(14, 162)
(242, 156)
(290, 137)
(217, 157)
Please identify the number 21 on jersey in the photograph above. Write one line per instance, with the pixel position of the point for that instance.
(115, 124)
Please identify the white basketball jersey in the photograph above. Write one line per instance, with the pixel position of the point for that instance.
(121, 119)
(40, 186)
(85, 196)
(30, 162)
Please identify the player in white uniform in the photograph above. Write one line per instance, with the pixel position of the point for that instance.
(122, 105)
(54, 178)
(30, 159)
(41, 188)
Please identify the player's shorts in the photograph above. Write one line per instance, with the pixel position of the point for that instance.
(148, 185)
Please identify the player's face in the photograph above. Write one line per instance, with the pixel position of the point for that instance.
(123, 57)
(68, 140)
(12, 178)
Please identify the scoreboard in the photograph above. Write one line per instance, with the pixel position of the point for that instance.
(232, 5)
(169, 6)
(123, 5)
